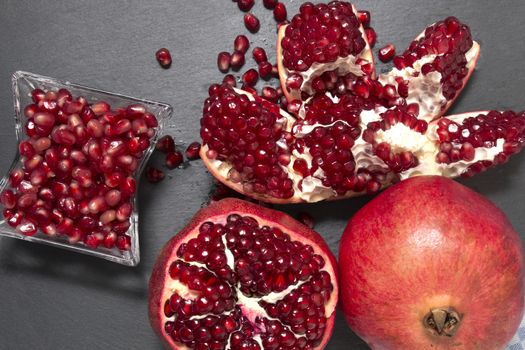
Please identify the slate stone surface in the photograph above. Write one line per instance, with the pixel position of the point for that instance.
(52, 299)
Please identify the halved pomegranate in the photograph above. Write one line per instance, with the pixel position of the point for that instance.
(321, 38)
(430, 264)
(338, 149)
(240, 276)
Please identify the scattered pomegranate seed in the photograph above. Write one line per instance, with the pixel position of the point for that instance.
(364, 18)
(279, 12)
(250, 77)
(166, 144)
(154, 175)
(192, 152)
(245, 5)
(265, 69)
(270, 4)
(306, 219)
(252, 22)
(230, 80)
(163, 56)
(174, 159)
(371, 36)
(259, 55)
(241, 44)
(223, 61)
(387, 52)
(237, 60)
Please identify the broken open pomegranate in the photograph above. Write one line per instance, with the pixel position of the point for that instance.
(346, 131)
(74, 181)
(240, 276)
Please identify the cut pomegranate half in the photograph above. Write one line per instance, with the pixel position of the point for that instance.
(341, 147)
(435, 68)
(240, 276)
(321, 38)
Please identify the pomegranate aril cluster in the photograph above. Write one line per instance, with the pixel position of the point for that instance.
(246, 134)
(321, 33)
(397, 161)
(450, 40)
(264, 260)
(76, 174)
(459, 141)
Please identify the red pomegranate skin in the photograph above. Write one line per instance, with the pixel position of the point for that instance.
(218, 209)
(429, 242)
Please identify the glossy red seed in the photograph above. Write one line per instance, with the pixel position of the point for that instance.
(237, 60)
(371, 36)
(387, 52)
(259, 55)
(265, 70)
(192, 152)
(250, 78)
(166, 144)
(174, 159)
(270, 4)
(123, 242)
(223, 61)
(229, 80)
(241, 43)
(279, 12)
(163, 56)
(154, 175)
(245, 5)
(252, 22)
(364, 18)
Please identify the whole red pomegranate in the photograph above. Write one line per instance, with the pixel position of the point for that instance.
(430, 264)
(244, 277)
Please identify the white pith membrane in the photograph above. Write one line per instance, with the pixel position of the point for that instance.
(342, 66)
(249, 305)
(426, 90)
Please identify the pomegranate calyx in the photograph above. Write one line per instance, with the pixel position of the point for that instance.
(442, 321)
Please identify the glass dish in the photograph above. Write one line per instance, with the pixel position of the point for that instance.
(23, 84)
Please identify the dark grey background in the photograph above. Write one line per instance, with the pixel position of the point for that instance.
(53, 299)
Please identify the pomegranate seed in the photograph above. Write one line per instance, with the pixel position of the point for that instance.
(364, 18)
(174, 159)
(237, 60)
(223, 61)
(27, 227)
(26, 149)
(123, 242)
(229, 79)
(270, 4)
(245, 5)
(166, 144)
(251, 22)
(387, 52)
(371, 36)
(279, 12)
(163, 56)
(269, 94)
(8, 199)
(250, 77)
(100, 108)
(265, 69)
(154, 175)
(192, 152)
(259, 55)
(241, 44)
(306, 219)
